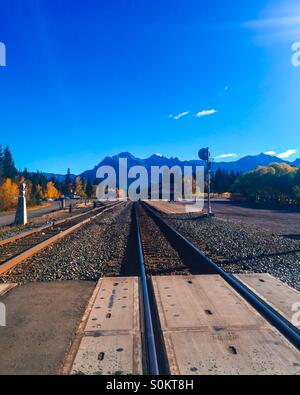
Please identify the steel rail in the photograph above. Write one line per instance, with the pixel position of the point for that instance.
(150, 339)
(289, 331)
(55, 223)
(31, 250)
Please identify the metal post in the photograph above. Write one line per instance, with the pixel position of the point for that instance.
(209, 187)
(204, 155)
(63, 203)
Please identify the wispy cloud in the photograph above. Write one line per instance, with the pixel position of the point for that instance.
(287, 154)
(206, 113)
(269, 23)
(283, 155)
(203, 113)
(277, 23)
(224, 156)
(178, 116)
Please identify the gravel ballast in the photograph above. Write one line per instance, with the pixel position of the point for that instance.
(159, 256)
(92, 251)
(47, 219)
(102, 248)
(240, 248)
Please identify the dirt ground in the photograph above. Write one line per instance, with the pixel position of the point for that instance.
(283, 222)
(41, 321)
(174, 207)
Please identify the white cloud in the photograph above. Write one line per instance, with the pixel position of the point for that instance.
(226, 88)
(181, 115)
(224, 156)
(283, 155)
(287, 154)
(206, 113)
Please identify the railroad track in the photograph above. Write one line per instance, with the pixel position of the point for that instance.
(183, 258)
(15, 250)
(175, 312)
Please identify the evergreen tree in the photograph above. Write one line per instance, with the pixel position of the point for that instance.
(26, 174)
(1, 163)
(89, 189)
(223, 181)
(68, 184)
(9, 169)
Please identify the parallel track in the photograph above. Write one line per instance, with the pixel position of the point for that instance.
(15, 251)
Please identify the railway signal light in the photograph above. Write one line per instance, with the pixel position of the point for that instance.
(204, 154)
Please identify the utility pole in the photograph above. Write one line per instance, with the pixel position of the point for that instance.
(204, 154)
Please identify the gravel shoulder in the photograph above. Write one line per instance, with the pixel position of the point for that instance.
(37, 222)
(282, 222)
(94, 250)
(243, 248)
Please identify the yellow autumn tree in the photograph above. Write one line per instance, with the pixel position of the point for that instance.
(79, 188)
(9, 192)
(51, 191)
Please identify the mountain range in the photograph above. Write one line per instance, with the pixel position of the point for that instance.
(244, 164)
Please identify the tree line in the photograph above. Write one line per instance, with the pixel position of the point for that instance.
(38, 186)
(222, 181)
(277, 184)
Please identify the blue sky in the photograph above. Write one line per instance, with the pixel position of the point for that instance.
(85, 79)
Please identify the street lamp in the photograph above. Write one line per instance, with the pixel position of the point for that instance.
(204, 155)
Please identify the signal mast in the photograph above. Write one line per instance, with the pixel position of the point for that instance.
(205, 156)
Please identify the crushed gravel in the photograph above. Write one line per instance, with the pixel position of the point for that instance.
(241, 248)
(96, 249)
(102, 248)
(47, 219)
(159, 256)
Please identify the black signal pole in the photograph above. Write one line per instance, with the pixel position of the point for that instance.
(204, 154)
(210, 213)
